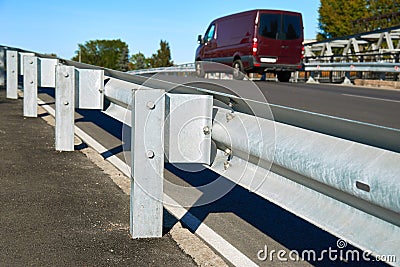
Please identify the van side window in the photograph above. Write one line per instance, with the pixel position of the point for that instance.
(270, 25)
(210, 33)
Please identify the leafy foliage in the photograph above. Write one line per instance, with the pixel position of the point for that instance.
(112, 54)
(162, 58)
(139, 61)
(123, 62)
(380, 7)
(336, 17)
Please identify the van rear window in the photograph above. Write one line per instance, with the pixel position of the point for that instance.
(280, 27)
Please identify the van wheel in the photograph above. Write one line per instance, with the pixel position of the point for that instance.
(284, 76)
(238, 70)
(199, 69)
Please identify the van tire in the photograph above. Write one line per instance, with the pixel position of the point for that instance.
(238, 70)
(199, 69)
(284, 76)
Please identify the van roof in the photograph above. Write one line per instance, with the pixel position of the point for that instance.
(258, 10)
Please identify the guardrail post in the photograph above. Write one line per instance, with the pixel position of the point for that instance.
(21, 56)
(311, 79)
(65, 107)
(146, 199)
(331, 60)
(347, 78)
(30, 86)
(2, 66)
(12, 74)
(360, 73)
(396, 60)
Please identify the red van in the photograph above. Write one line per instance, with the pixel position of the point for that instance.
(255, 41)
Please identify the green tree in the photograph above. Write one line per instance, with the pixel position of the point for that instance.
(381, 7)
(336, 17)
(123, 61)
(112, 54)
(162, 58)
(139, 61)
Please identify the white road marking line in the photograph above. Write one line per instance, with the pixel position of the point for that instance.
(374, 98)
(49, 109)
(207, 234)
(231, 253)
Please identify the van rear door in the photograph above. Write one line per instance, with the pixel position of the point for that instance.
(268, 31)
(280, 37)
(291, 38)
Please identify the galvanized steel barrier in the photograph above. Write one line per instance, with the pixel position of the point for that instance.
(375, 51)
(347, 185)
(189, 67)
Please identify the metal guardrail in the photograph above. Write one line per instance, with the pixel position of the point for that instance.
(188, 67)
(327, 180)
(376, 51)
(354, 66)
(366, 45)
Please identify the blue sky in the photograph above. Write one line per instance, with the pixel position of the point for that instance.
(51, 26)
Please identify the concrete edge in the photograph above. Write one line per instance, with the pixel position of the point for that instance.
(378, 84)
(189, 243)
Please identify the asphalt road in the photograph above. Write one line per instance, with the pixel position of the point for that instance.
(242, 218)
(368, 105)
(375, 106)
